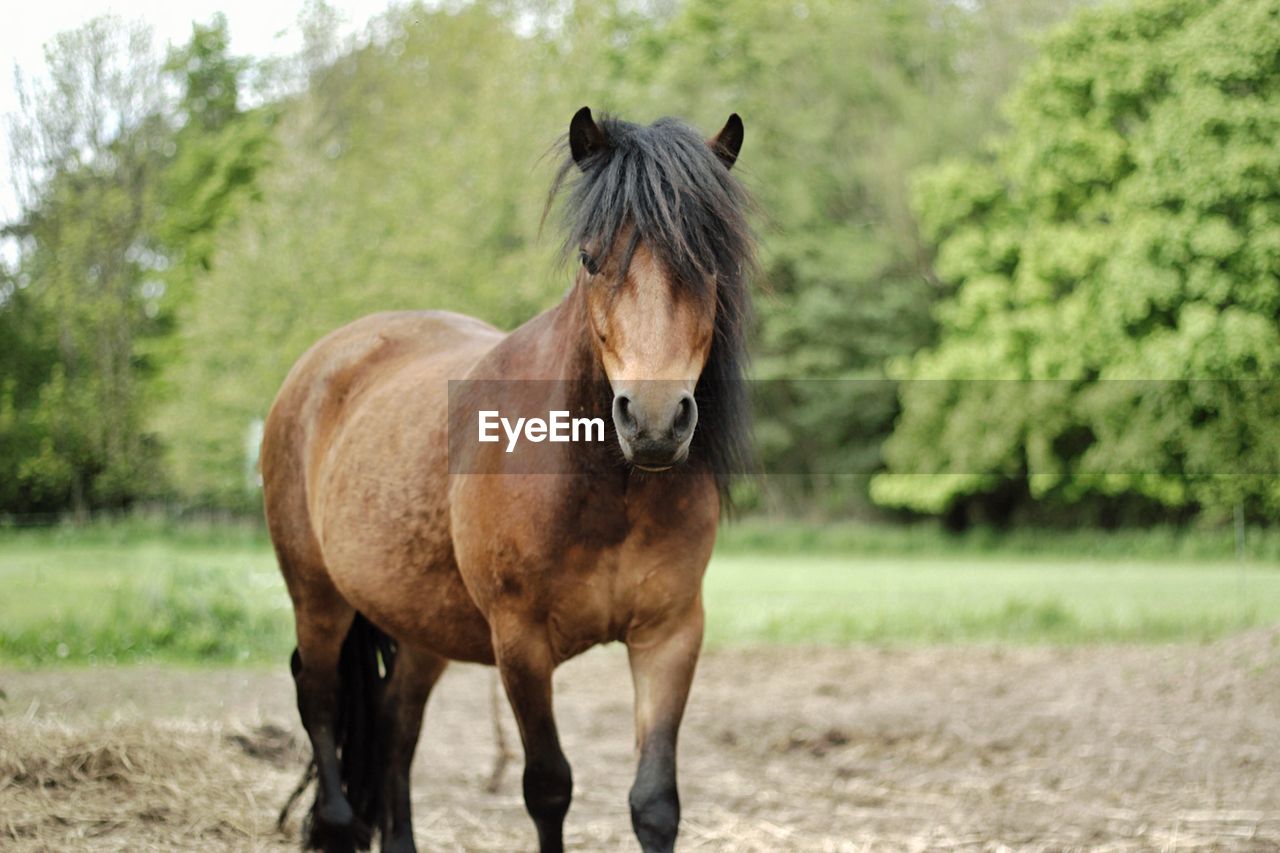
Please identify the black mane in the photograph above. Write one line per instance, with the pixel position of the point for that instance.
(670, 187)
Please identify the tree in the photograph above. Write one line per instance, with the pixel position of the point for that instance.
(402, 178)
(408, 175)
(217, 148)
(88, 145)
(842, 101)
(1126, 228)
(210, 175)
(27, 357)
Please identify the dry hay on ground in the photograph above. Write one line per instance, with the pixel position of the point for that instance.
(980, 748)
(136, 784)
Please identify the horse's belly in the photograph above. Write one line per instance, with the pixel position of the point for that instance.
(427, 606)
(409, 586)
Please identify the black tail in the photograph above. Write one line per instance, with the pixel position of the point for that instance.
(368, 657)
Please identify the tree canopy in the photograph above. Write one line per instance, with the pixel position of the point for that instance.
(411, 173)
(193, 220)
(1117, 253)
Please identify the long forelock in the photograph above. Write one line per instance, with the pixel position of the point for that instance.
(664, 182)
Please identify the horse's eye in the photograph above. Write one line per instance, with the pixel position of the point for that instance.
(588, 262)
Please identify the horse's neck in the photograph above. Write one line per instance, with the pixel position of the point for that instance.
(555, 345)
(550, 363)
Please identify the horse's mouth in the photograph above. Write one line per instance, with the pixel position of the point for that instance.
(653, 459)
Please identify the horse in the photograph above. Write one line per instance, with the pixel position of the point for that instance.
(398, 561)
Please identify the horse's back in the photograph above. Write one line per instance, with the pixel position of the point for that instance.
(349, 362)
(378, 338)
(354, 456)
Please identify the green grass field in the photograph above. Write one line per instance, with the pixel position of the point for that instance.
(121, 594)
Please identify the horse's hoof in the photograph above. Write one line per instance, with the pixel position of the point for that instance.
(399, 844)
(337, 814)
(328, 838)
(333, 828)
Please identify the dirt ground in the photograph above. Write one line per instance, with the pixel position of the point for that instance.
(1166, 748)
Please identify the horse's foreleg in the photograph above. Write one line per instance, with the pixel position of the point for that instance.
(524, 659)
(416, 672)
(663, 657)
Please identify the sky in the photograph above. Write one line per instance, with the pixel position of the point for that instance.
(258, 28)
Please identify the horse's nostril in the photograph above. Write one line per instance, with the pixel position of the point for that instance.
(686, 415)
(623, 414)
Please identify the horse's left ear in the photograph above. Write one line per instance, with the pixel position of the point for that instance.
(728, 142)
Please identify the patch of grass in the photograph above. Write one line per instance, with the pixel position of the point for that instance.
(756, 535)
(147, 600)
(106, 595)
(141, 528)
(831, 599)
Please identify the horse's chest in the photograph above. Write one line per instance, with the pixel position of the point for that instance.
(590, 566)
(587, 605)
(600, 598)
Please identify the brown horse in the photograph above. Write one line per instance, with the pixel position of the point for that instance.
(400, 558)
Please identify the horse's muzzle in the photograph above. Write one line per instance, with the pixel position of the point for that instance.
(654, 426)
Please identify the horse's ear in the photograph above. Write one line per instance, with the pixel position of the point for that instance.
(586, 139)
(728, 142)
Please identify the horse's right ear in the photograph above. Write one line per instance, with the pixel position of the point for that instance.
(586, 139)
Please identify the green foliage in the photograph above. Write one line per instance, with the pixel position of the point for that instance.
(210, 76)
(408, 176)
(841, 100)
(179, 254)
(125, 193)
(87, 147)
(1126, 228)
(209, 182)
(404, 179)
(26, 363)
(217, 153)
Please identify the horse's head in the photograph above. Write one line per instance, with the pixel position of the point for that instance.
(659, 230)
(652, 338)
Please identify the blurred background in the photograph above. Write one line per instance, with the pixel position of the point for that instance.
(1011, 576)
(1057, 195)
